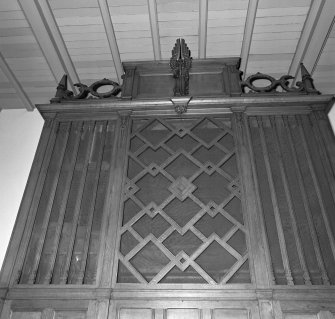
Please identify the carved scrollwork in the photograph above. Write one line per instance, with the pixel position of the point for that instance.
(304, 87)
(85, 91)
(181, 104)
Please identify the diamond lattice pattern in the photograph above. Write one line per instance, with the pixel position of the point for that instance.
(182, 219)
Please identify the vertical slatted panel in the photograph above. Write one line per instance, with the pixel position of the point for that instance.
(44, 208)
(101, 197)
(73, 207)
(276, 196)
(64, 245)
(297, 200)
(266, 205)
(57, 214)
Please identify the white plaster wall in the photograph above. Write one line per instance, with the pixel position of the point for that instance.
(19, 135)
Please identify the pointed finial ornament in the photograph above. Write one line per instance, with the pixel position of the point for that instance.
(62, 91)
(180, 64)
(307, 81)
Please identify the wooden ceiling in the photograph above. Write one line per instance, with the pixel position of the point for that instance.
(40, 40)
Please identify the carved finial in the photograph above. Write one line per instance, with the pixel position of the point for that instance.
(180, 64)
(307, 81)
(63, 82)
(62, 91)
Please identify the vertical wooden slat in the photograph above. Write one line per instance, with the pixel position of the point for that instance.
(65, 270)
(317, 187)
(110, 266)
(47, 213)
(258, 201)
(62, 209)
(258, 250)
(279, 226)
(26, 238)
(328, 136)
(326, 161)
(107, 202)
(23, 216)
(80, 275)
(316, 244)
(283, 174)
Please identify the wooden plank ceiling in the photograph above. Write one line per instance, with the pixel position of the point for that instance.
(40, 40)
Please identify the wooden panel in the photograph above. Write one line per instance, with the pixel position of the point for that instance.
(182, 216)
(136, 313)
(26, 315)
(183, 313)
(65, 241)
(69, 315)
(297, 198)
(230, 314)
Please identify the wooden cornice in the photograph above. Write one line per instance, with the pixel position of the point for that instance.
(250, 105)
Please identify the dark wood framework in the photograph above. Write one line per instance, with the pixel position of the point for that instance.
(262, 124)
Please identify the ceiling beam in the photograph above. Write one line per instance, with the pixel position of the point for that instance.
(203, 18)
(247, 36)
(47, 34)
(306, 35)
(152, 6)
(16, 84)
(318, 26)
(107, 20)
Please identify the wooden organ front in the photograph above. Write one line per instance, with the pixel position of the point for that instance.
(183, 197)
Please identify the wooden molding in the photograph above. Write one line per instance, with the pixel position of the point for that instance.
(203, 18)
(320, 35)
(306, 35)
(43, 24)
(264, 105)
(18, 87)
(108, 24)
(248, 31)
(152, 6)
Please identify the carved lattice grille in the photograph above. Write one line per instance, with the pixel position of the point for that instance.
(182, 218)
